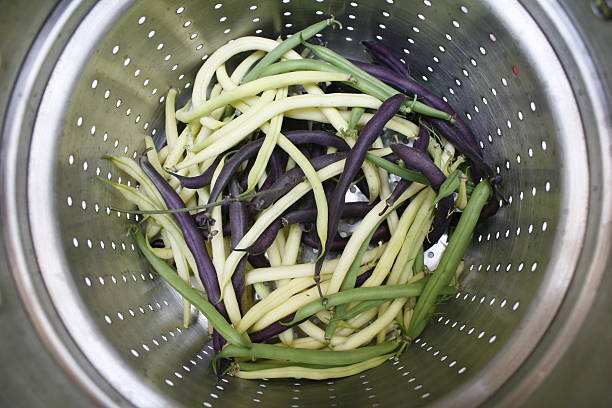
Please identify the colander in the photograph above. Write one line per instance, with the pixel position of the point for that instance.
(522, 74)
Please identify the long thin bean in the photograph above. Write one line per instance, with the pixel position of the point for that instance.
(192, 295)
(171, 130)
(315, 182)
(300, 65)
(385, 91)
(234, 132)
(450, 186)
(238, 220)
(314, 373)
(359, 294)
(193, 237)
(368, 86)
(260, 85)
(354, 161)
(396, 124)
(285, 46)
(258, 350)
(270, 140)
(269, 364)
(305, 270)
(455, 250)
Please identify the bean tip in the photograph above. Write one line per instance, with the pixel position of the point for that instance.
(147, 150)
(258, 205)
(384, 210)
(333, 22)
(172, 173)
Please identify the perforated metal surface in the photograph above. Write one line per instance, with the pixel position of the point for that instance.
(106, 91)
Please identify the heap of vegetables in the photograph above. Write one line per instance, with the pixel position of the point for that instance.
(257, 180)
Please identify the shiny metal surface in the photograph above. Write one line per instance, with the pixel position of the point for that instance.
(17, 126)
(570, 366)
(115, 328)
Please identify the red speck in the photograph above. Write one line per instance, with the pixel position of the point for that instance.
(515, 70)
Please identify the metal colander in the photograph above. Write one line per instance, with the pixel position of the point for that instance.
(94, 84)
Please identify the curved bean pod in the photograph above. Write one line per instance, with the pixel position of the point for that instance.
(423, 140)
(200, 181)
(417, 160)
(410, 86)
(291, 178)
(383, 91)
(350, 210)
(354, 161)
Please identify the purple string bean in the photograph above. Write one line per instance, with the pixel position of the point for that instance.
(238, 227)
(354, 161)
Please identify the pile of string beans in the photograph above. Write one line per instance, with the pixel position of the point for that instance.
(239, 210)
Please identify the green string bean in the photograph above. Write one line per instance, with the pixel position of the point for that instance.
(419, 262)
(357, 310)
(193, 296)
(356, 114)
(360, 294)
(450, 185)
(285, 46)
(455, 250)
(398, 170)
(375, 85)
(264, 365)
(269, 351)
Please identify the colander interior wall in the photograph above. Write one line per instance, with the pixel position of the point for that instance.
(113, 76)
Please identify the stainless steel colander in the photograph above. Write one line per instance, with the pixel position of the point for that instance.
(523, 75)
